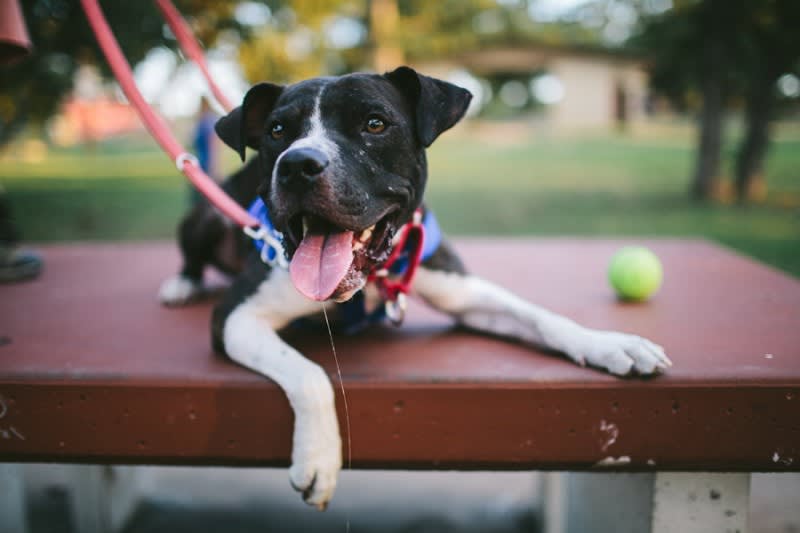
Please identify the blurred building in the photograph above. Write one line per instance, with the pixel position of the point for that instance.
(574, 88)
(92, 112)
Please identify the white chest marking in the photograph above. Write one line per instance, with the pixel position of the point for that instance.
(317, 137)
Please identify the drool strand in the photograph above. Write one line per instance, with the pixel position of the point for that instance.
(344, 398)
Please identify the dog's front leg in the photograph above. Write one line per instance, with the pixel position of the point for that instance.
(483, 306)
(250, 339)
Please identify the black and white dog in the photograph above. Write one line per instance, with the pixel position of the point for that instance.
(341, 167)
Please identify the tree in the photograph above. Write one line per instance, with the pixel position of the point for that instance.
(721, 50)
(394, 31)
(773, 49)
(294, 44)
(690, 52)
(32, 90)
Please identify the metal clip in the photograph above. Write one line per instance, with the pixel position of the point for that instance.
(183, 157)
(271, 243)
(396, 309)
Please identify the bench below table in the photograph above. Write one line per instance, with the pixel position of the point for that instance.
(93, 370)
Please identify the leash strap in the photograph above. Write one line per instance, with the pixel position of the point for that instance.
(155, 124)
(191, 47)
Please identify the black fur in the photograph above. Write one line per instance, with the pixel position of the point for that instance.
(254, 273)
(438, 105)
(245, 124)
(206, 238)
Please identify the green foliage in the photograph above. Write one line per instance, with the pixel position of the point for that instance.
(435, 29)
(32, 90)
(267, 54)
(423, 30)
(757, 38)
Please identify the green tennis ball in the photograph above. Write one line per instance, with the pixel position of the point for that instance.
(635, 273)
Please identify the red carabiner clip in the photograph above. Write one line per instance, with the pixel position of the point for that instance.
(394, 291)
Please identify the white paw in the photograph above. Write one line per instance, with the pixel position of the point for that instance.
(316, 459)
(619, 353)
(178, 290)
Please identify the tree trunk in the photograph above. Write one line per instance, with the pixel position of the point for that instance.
(750, 158)
(711, 119)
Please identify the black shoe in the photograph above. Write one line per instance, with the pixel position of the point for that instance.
(18, 265)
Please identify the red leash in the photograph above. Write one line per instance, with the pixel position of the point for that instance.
(186, 162)
(190, 47)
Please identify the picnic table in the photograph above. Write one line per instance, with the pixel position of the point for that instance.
(94, 370)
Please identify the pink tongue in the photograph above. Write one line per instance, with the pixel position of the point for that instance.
(320, 263)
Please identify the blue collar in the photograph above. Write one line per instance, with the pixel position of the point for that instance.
(433, 235)
(258, 210)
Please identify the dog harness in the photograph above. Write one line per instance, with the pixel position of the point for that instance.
(417, 241)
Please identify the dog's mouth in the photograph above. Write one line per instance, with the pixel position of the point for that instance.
(332, 262)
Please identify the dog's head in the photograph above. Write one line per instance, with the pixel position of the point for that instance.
(344, 166)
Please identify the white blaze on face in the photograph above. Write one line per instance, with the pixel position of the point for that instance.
(324, 256)
(316, 137)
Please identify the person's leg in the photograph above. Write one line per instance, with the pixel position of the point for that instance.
(16, 264)
(8, 231)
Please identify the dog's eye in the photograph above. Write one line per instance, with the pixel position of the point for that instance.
(375, 125)
(277, 131)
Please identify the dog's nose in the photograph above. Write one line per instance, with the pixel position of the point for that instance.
(301, 167)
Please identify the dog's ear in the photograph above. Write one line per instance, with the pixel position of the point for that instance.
(244, 125)
(438, 104)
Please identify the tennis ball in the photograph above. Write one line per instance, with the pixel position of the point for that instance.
(635, 273)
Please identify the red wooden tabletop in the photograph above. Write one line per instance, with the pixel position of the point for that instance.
(93, 369)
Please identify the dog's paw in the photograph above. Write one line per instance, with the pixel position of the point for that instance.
(178, 290)
(316, 462)
(315, 481)
(619, 353)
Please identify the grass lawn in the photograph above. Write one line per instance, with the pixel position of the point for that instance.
(612, 185)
